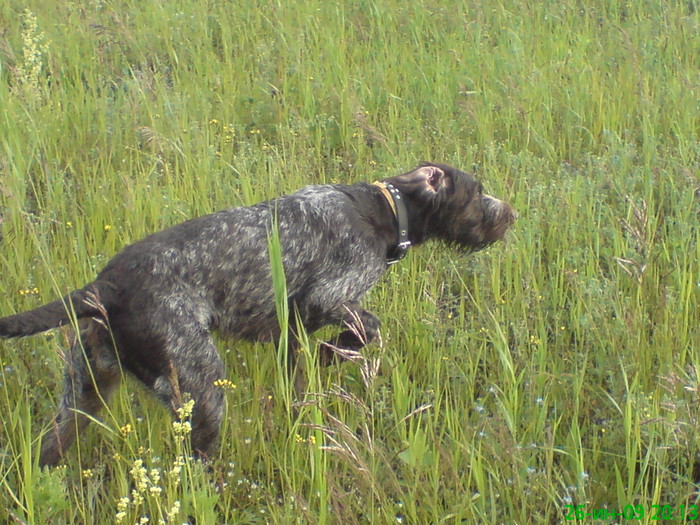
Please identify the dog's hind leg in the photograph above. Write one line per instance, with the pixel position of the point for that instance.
(195, 366)
(92, 372)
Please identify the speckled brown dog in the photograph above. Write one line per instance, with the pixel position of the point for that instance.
(153, 307)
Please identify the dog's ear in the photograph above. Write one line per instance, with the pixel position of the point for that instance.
(432, 177)
(427, 181)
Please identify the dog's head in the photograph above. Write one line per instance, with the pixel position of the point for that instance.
(448, 204)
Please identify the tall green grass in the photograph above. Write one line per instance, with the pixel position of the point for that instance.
(558, 368)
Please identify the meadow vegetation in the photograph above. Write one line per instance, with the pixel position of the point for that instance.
(558, 368)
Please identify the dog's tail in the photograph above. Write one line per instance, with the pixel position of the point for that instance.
(95, 299)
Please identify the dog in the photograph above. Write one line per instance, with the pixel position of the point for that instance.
(153, 307)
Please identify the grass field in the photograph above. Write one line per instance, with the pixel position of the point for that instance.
(558, 369)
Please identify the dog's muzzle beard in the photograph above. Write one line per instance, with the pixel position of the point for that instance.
(498, 218)
(495, 222)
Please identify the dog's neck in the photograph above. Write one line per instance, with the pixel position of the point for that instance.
(398, 207)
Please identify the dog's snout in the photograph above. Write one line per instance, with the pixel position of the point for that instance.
(498, 211)
(499, 216)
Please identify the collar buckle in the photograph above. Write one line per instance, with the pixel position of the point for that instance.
(399, 252)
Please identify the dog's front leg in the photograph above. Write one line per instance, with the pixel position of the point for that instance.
(362, 327)
(295, 372)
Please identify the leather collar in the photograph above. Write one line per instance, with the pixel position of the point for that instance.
(398, 206)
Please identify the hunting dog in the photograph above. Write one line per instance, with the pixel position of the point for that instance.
(152, 309)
